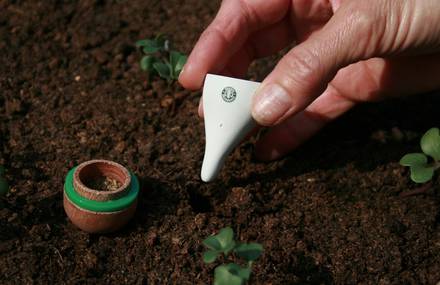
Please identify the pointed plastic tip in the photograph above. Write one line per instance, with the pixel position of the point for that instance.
(208, 176)
(212, 163)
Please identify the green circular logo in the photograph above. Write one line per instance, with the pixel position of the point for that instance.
(229, 94)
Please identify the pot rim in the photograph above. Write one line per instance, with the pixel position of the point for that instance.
(105, 168)
(101, 206)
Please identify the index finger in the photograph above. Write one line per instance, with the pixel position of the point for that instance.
(233, 24)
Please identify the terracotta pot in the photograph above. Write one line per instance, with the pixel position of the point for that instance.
(100, 211)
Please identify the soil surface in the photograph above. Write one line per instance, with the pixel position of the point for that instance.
(71, 90)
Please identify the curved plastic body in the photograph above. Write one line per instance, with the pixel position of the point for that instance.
(227, 111)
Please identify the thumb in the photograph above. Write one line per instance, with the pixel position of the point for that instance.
(355, 32)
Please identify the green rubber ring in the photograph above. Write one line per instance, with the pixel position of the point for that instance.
(101, 206)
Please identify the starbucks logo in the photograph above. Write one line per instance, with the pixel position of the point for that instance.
(229, 94)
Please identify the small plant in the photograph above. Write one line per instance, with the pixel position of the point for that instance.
(160, 59)
(422, 168)
(224, 243)
(4, 187)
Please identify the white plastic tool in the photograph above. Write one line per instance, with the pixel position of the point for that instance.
(228, 119)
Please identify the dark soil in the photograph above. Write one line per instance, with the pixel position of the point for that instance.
(71, 90)
(103, 184)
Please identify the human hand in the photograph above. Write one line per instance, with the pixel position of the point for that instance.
(346, 52)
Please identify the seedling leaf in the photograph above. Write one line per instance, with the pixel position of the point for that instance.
(2, 170)
(162, 42)
(250, 251)
(430, 143)
(147, 63)
(158, 50)
(412, 159)
(179, 65)
(174, 57)
(226, 239)
(244, 273)
(224, 276)
(225, 236)
(142, 43)
(177, 61)
(150, 46)
(223, 241)
(212, 243)
(210, 256)
(150, 49)
(163, 69)
(421, 174)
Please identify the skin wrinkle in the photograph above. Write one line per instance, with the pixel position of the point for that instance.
(333, 40)
(316, 14)
(358, 24)
(226, 31)
(306, 67)
(398, 25)
(430, 38)
(250, 15)
(275, 16)
(214, 31)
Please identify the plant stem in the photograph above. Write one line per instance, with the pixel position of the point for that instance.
(420, 190)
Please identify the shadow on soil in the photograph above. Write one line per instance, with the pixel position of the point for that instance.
(310, 273)
(155, 201)
(361, 138)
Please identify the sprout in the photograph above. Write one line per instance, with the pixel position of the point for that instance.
(159, 59)
(422, 168)
(224, 243)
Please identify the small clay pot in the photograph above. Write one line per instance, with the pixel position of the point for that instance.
(97, 210)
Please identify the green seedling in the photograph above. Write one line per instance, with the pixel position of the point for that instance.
(423, 165)
(160, 60)
(224, 243)
(4, 187)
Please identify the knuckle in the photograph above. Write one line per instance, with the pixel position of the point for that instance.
(303, 67)
(361, 17)
(363, 23)
(249, 12)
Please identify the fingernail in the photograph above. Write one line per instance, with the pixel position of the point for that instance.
(270, 104)
(181, 72)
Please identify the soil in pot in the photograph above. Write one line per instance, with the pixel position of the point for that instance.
(103, 183)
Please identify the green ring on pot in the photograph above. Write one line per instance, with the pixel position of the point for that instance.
(101, 206)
